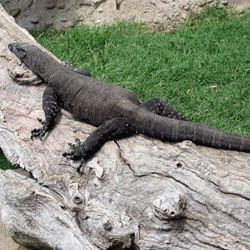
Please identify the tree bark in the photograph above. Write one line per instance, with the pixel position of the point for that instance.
(136, 193)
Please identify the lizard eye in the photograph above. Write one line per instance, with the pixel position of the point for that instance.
(21, 54)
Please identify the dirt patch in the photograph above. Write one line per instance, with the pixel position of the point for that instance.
(32, 14)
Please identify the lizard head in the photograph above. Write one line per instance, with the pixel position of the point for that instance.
(31, 56)
(27, 53)
(18, 49)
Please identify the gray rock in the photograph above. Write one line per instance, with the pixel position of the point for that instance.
(34, 20)
(25, 3)
(15, 12)
(86, 3)
(61, 5)
(201, 3)
(224, 2)
(50, 4)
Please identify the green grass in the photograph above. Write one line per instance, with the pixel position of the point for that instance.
(4, 164)
(202, 68)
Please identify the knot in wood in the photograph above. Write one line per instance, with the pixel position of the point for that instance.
(78, 200)
(107, 223)
(170, 206)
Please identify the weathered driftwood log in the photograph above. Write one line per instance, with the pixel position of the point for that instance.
(136, 193)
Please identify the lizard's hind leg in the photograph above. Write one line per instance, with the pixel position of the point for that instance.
(115, 128)
(50, 108)
(162, 108)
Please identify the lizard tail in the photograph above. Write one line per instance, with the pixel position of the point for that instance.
(166, 129)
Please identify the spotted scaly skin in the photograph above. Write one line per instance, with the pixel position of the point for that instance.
(113, 110)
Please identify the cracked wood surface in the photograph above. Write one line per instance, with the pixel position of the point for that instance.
(136, 193)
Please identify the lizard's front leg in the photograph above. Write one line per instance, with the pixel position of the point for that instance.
(50, 108)
(110, 130)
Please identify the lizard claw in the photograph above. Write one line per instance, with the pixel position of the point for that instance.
(73, 147)
(68, 155)
(76, 152)
(38, 132)
(78, 142)
(40, 120)
(81, 166)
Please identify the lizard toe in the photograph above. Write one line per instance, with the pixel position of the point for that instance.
(38, 133)
(81, 166)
